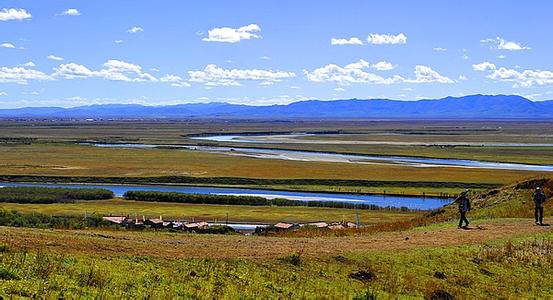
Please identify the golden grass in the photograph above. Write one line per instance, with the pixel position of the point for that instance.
(81, 160)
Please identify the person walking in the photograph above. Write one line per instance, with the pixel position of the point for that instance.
(539, 199)
(464, 206)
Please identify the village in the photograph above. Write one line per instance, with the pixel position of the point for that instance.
(218, 227)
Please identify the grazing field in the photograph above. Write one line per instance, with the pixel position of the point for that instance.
(211, 212)
(98, 264)
(82, 160)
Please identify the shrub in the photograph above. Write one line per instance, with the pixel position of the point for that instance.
(35, 220)
(293, 258)
(46, 195)
(6, 274)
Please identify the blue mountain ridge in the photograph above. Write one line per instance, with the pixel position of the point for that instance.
(467, 107)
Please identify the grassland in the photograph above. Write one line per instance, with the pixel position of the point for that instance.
(503, 255)
(112, 264)
(54, 154)
(80, 160)
(270, 214)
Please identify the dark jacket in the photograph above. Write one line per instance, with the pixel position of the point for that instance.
(464, 203)
(539, 198)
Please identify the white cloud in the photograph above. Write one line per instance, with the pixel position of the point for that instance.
(3, 94)
(339, 89)
(116, 70)
(21, 75)
(526, 78)
(465, 56)
(462, 78)
(112, 70)
(357, 73)
(54, 57)
(14, 14)
(502, 44)
(266, 57)
(212, 75)
(381, 39)
(7, 45)
(439, 49)
(28, 64)
(425, 74)
(383, 66)
(501, 56)
(118, 41)
(175, 81)
(483, 66)
(135, 29)
(350, 41)
(351, 73)
(73, 70)
(232, 35)
(71, 12)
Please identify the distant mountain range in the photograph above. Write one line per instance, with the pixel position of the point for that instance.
(468, 107)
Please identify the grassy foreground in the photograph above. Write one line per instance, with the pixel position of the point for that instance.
(519, 268)
(503, 256)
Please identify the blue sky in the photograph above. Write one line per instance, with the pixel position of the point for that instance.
(70, 53)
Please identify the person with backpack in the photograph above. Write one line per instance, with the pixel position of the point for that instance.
(539, 198)
(464, 206)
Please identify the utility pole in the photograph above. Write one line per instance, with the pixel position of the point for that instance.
(358, 222)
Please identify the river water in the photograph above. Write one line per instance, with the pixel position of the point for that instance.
(317, 156)
(422, 203)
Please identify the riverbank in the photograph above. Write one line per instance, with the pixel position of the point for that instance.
(213, 212)
(336, 186)
(337, 157)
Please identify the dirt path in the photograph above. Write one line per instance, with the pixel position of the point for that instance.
(174, 245)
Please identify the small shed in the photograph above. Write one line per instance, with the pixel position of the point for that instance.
(196, 226)
(154, 223)
(317, 224)
(119, 220)
(285, 226)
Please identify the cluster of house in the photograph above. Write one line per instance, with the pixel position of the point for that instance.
(158, 223)
(321, 225)
(140, 223)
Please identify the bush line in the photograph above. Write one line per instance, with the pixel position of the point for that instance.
(239, 181)
(173, 197)
(47, 195)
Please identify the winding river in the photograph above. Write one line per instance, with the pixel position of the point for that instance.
(300, 138)
(317, 156)
(421, 203)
